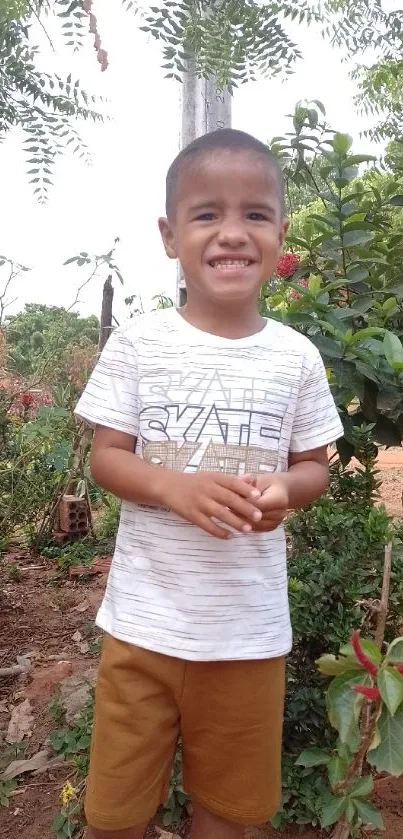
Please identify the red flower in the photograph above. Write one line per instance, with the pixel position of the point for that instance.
(287, 265)
(360, 655)
(27, 399)
(369, 693)
(399, 668)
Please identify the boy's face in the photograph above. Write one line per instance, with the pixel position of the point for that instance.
(226, 228)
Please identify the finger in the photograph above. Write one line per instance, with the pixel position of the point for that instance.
(240, 506)
(228, 517)
(205, 523)
(249, 479)
(273, 515)
(239, 486)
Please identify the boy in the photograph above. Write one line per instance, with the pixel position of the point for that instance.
(211, 423)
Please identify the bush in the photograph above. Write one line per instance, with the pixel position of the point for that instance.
(336, 557)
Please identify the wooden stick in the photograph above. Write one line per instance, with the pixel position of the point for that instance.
(14, 670)
(383, 606)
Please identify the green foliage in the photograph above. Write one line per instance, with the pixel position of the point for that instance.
(108, 522)
(232, 41)
(6, 788)
(364, 705)
(43, 105)
(40, 337)
(80, 553)
(336, 558)
(174, 809)
(358, 26)
(34, 458)
(73, 743)
(350, 304)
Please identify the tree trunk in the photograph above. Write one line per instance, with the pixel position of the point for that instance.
(205, 108)
(105, 327)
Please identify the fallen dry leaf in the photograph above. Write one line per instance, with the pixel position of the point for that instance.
(84, 647)
(77, 637)
(165, 834)
(21, 723)
(18, 767)
(82, 607)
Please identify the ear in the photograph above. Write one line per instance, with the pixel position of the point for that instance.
(283, 231)
(168, 237)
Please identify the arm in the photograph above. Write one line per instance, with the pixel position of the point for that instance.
(197, 498)
(306, 479)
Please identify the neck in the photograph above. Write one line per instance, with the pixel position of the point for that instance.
(227, 322)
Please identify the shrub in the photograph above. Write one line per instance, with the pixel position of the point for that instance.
(336, 557)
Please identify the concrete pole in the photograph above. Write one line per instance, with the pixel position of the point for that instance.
(204, 108)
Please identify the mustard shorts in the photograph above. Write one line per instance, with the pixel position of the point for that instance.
(229, 715)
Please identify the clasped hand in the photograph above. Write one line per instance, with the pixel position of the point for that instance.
(212, 499)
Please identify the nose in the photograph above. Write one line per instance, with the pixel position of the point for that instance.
(232, 233)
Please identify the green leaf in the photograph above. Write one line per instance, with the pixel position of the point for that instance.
(333, 811)
(390, 684)
(388, 755)
(329, 665)
(327, 346)
(337, 769)
(344, 706)
(369, 647)
(394, 653)
(362, 787)
(396, 200)
(393, 350)
(357, 237)
(342, 143)
(313, 757)
(369, 814)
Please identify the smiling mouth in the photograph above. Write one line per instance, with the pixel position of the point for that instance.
(228, 264)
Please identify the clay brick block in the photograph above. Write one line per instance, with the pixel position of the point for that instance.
(73, 515)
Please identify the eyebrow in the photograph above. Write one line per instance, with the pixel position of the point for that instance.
(251, 205)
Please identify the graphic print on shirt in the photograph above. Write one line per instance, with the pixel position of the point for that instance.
(219, 428)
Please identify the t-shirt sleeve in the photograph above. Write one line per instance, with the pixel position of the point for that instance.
(316, 420)
(111, 395)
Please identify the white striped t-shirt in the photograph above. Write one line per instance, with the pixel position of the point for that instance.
(196, 401)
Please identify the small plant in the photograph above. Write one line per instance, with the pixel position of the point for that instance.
(14, 573)
(74, 743)
(6, 789)
(72, 554)
(108, 522)
(365, 706)
(57, 710)
(174, 810)
(68, 824)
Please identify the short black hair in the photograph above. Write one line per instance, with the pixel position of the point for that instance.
(228, 139)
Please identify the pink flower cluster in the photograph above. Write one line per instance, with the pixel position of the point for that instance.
(26, 403)
(287, 265)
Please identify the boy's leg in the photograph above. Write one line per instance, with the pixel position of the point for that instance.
(207, 826)
(232, 715)
(136, 726)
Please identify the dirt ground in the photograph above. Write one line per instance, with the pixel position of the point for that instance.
(40, 617)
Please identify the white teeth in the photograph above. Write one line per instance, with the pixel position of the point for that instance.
(231, 263)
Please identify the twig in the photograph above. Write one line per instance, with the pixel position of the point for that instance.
(383, 606)
(14, 670)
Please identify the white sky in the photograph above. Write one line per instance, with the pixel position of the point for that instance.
(122, 194)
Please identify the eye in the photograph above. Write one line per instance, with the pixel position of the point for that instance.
(255, 216)
(205, 217)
